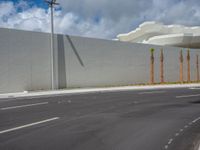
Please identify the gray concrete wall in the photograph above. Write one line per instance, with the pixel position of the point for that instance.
(94, 62)
(24, 61)
(80, 62)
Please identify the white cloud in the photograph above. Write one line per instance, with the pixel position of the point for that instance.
(99, 18)
(38, 19)
(6, 8)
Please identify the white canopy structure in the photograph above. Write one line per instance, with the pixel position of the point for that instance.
(159, 34)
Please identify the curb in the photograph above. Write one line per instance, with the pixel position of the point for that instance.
(26, 94)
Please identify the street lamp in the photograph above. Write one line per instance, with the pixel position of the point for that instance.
(51, 4)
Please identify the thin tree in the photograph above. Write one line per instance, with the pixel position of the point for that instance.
(197, 66)
(152, 66)
(181, 66)
(161, 66)
(188, 65)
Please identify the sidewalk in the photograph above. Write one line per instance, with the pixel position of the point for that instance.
(26, 94)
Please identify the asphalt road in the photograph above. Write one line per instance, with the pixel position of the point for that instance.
(133, 120)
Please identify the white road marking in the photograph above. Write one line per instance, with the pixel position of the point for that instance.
(28, 125)
(61, 102)
(21, 106)
(170, 141)
(190, 123)
(135, 102)
(181, 130)
(196, 120)
(194, 88)
(185, 96)
(177, 134)
(152, 92)
(69, 101)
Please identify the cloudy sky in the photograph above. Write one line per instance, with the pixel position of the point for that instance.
(97, 18)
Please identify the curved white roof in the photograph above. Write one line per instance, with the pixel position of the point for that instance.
(159, 34)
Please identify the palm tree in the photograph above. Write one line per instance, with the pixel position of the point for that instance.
(197, 65)
(188, 65)
(181, 66)
(152, 66)
(161, 66)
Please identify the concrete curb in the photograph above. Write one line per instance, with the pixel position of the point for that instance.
(26, 94)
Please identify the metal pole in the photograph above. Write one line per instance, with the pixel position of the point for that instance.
(51, 4)
(52, 48)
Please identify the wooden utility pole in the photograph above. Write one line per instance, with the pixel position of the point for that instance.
(188, 65)
(197, 66)
(181, 66)
(152, 66)
(161, 66)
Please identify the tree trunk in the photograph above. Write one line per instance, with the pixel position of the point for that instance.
(161, 66)
(188, 65)
(181, 66)
(152, 69)
(197, 65)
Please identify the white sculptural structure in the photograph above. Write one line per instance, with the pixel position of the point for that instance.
(159, 34)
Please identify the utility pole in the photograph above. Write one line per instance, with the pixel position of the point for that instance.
(51, 4)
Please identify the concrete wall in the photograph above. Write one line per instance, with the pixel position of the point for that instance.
(24, 61)
(80, 62)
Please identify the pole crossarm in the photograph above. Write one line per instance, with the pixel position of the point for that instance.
(51, 3)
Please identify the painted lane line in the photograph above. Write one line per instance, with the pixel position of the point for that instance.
(190, 123)
(21, 106)
(166, 146)
(196, 120)
(68, 101)
(194, 88)
(185, 96)
(151, 92)
(177, 134)
(29, 125)
(135, 102)
(170, 141)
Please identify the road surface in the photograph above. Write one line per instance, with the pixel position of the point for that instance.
(129, 120)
